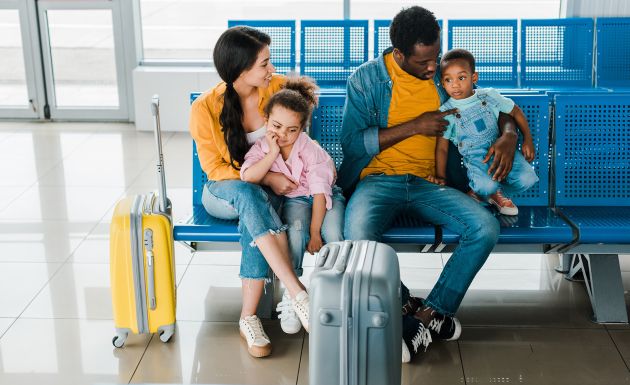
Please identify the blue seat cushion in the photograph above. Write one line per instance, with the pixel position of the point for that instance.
(533, 225)
(202, 227)
(600, 224)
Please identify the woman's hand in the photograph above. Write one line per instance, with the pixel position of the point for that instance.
(272, 142)
(279, 183)
(315, 244)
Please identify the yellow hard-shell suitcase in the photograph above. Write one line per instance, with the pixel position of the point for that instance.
(142, 262)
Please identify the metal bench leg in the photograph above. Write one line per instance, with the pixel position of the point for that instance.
(267, 305)
(564, 263)
(602, 278)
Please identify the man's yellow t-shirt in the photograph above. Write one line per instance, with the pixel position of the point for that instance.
(410, 98)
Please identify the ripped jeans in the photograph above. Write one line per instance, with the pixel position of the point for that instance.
(255, 207)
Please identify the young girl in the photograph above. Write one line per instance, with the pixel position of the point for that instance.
(474, 128)
(224, 122)
(315, 203)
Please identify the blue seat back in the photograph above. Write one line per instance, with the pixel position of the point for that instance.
(613, 52)
(330, 50)
(494, 45)
(592, 150)
(199, 178)
(326, 127)
(557, 53)
(282, 46)
(536, 109)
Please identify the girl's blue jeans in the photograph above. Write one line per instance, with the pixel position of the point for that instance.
(256, 208)
(297, 212)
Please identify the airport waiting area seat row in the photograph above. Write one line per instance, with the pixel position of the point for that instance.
(537, 53)
(579, 209)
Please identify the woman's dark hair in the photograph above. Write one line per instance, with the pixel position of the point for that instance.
(411, 26)
(299, 94)
(236, 51)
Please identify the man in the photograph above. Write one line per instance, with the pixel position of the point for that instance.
(389, 130)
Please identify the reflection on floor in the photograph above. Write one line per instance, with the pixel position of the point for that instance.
(523, 323)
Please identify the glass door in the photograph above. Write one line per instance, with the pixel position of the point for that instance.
(18, 92)
(83, 59)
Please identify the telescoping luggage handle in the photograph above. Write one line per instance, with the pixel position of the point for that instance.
(155, 111)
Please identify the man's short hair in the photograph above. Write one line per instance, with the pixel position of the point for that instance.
(411, 26)
(458, 54)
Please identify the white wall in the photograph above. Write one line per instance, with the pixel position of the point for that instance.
(173, 85)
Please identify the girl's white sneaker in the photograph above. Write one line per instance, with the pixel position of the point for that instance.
(289, 321)
(300, 306)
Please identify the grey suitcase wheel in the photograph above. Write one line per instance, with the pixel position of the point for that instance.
(119, 340)
(165, 335)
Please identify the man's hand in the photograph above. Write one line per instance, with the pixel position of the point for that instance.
(529, 151)
(432, 123)
(279, 183)
(503, 151)
(437, 180)
(315, 243)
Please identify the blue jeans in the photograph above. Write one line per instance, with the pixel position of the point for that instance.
(521, 177)
(379, 199)
(296, 213)
(255, 208)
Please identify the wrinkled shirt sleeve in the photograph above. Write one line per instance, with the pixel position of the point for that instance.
(253, 156)
(320, 171)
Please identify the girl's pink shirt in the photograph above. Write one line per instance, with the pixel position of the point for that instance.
(308, 165)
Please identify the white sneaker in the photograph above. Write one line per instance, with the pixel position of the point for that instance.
(258, 344)
(300, 306)
(289, 321)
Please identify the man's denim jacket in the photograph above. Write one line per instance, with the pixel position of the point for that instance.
(368, 95)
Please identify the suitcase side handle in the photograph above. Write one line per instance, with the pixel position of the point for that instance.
(148, 245)
(155, 111)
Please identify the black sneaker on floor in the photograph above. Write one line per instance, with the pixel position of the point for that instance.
(444, 327)
(416, 338)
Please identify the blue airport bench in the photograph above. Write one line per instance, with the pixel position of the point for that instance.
(282, 33)
(330, 50)
(494, 43)
(580, 208)
(557, 53)
(613, 52)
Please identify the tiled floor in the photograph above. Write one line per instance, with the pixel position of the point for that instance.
(523, 323)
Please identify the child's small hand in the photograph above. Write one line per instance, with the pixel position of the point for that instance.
(436, 180)
(528, 149)
(272, 141)
(315, 243)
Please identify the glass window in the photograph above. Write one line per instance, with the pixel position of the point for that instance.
(13, 90)
(459, 9)
(188, 29)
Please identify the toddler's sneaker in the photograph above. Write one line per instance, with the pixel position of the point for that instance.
(258, 344)
(289, 321)
(300, 306)
(416, 338)
(503, 204)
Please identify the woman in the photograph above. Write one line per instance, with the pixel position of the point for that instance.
(224, 122)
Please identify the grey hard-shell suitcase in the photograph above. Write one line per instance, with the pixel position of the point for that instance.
(355, 307)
